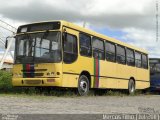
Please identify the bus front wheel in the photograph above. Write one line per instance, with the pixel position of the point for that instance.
(83, 85)
(131, 86)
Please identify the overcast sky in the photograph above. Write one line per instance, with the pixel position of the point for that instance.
(131, 21)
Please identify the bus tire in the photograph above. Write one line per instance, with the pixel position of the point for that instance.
(83, 85)
(131, 87)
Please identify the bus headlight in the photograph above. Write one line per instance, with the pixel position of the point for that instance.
(48, 74)
(52, 73)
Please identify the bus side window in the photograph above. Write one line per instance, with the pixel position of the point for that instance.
(98, 48)
(144, 61)
(121, 55)
(110, 51)
(130, 57)
(70, 49)
(138, 59)
(85, 45)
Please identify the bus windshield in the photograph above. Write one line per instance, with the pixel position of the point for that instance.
(42, 47)
(154, 70)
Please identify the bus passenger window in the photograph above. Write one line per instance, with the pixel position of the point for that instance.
(70, 49)
(110, 51)
(130, 57)
(85, 45)
(138, 59)
(98, 48)
(121, 55)
(144, 61)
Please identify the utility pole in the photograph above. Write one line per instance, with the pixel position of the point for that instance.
(157, 20)
(84, 24)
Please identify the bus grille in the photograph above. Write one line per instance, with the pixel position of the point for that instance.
(32, 75)
(33, 81)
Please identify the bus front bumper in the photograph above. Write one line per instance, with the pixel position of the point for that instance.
(36, 81)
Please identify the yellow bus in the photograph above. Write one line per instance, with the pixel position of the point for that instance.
(62, 54)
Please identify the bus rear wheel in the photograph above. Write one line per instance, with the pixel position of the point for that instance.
(131, 87)
(83, 85)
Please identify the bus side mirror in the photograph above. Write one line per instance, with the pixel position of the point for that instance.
(6, 44)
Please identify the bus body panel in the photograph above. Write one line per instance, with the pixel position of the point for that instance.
(155, 82)
(48, 74)
(142, 78)
(155, 74)
(108, 73)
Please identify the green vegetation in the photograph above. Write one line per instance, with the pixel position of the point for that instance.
(5, 81)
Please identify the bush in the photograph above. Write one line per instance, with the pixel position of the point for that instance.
(5, 81)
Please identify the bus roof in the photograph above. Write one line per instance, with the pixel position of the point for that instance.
(93, 33)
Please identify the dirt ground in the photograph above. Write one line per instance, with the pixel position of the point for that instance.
(25, 104)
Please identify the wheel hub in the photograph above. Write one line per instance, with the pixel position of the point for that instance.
(132, 88)
(83, 86)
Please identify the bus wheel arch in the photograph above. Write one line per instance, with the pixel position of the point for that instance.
(84, 83)
(131, 85)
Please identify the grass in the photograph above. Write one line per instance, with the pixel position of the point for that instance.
(32, 91)
(59, 92)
